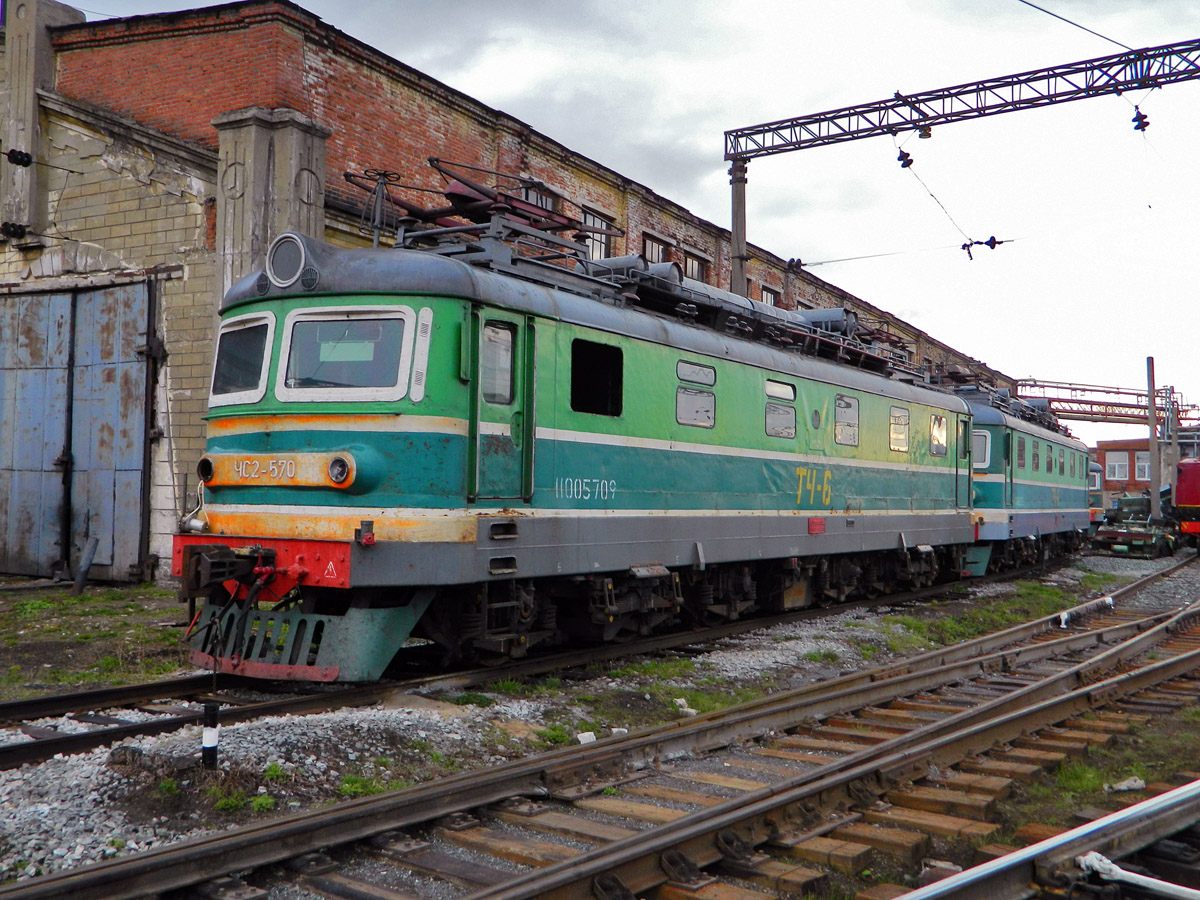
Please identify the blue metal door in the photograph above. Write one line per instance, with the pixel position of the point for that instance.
(35, 347)
(73, 401)
(108, 434)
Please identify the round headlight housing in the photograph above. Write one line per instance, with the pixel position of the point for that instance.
(339, 470)
(205, 470)
(286, 259)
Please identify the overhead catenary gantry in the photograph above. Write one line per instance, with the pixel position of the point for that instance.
(1135, 70)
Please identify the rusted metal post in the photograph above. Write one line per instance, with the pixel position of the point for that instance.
(1152, 420)
(737, 250)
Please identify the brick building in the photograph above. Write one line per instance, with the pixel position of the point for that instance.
(169, 150)
(1126, 467)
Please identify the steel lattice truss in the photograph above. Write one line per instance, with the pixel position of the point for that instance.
(1095, 403)
(1139, 69)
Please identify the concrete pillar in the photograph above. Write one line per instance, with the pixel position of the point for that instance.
(737, 238)
(29, 66)
(270, 179)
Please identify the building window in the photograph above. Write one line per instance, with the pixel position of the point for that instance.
(655, 250)
(770, 296)
(596, 378)
(845, 420)
(694, 267)
(540, 196)
(600, 246)
(1116, 465)
(898, 430)
(1141, 460)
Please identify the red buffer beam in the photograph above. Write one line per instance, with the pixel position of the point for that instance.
(1138, 69)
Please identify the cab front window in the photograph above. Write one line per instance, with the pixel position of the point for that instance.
(352, 354)
(240, 366)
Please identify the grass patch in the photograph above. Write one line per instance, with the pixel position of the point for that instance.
(274, 772)
(227, 801)
(1101, 582)
(657, 668)
(1077, 777)
(823, 656)
(866, 649)
(554, 735)
(34, 606)
(471, 698)
(262, 803)
(512, 687)
(1030, 601)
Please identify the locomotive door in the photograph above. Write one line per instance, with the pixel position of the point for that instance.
(1010, 467)
(502, 411)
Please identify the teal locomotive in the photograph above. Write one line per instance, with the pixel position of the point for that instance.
(485, 440)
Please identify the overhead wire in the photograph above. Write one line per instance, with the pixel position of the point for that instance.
(1076, 24)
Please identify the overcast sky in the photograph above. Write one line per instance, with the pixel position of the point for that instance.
(1103, 268)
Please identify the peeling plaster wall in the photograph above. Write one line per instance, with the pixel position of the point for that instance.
(120, 206)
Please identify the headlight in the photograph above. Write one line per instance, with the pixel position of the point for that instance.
(339, 470)
(205, 470)
(285, 260)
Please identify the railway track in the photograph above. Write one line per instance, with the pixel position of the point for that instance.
(114, 714)
(625, 819)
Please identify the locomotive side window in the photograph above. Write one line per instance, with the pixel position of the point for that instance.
(1062, 469)
(696, 408)
(596, 378)
(981, 449)
(1072, 465)
(937, 435)
(845, 420)
(1020, 452)
(781, 390)
(964, 438)
(695, 373)
(1037, 459)
(240, 368)
(346, 353)
(781, 420)
(496, 363)
(1049, 458)
(898, 429)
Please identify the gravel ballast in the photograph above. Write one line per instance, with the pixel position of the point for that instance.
(152, 791)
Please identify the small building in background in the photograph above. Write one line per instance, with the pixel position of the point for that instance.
(1125, 468)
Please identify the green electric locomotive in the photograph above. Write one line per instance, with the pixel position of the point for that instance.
(494, 442)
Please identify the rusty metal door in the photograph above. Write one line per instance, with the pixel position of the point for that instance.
(73, 452)
(35, 348)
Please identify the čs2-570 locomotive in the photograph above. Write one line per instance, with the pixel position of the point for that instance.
(486, 440)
